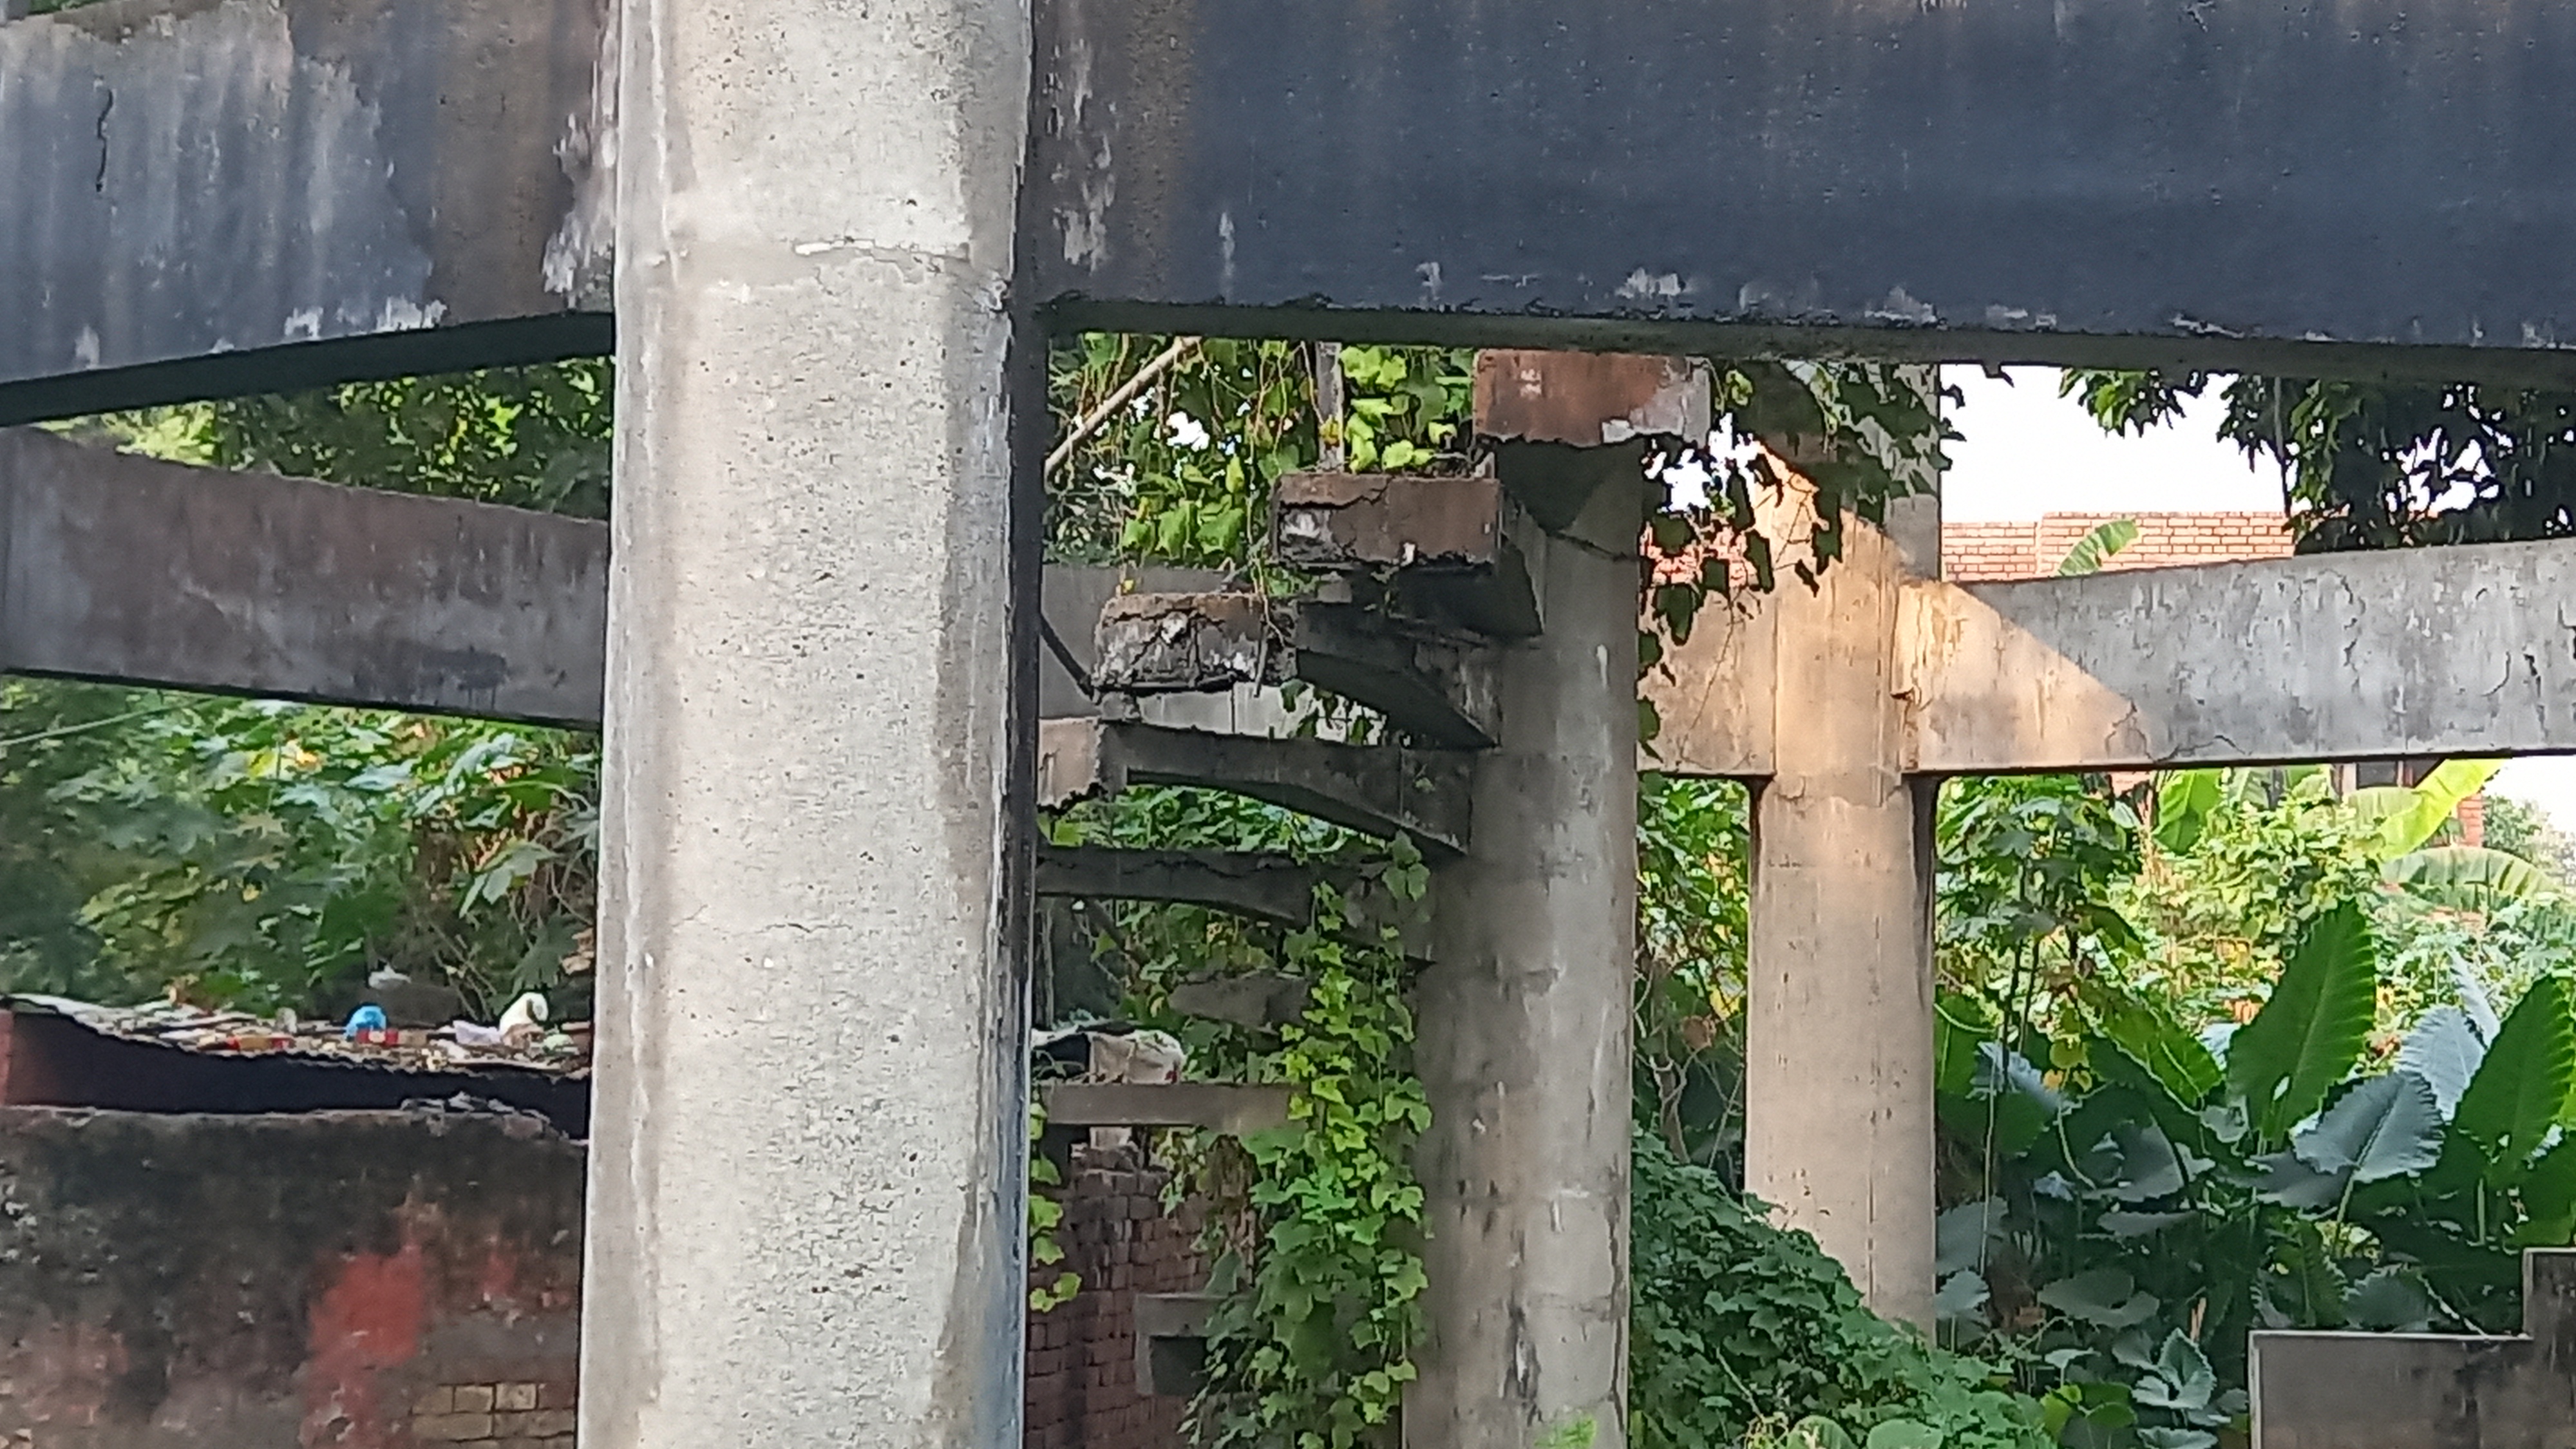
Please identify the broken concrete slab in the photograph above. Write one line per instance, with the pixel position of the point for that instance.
(1434, 685)
(1381, 790)
(1342, 521)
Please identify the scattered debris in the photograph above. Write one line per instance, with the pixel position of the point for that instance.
(368, 1038)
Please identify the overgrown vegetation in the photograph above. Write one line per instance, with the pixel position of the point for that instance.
(2219, 1049)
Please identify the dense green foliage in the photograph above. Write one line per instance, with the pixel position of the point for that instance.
(2381, 465)
(1740, 1329)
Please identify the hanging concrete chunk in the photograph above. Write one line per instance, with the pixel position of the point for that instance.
(233, 196)
(1434, 685)
(1382, 790)
(1265, 886)
(1258, 999)
(2408, 1391)
(120, 568)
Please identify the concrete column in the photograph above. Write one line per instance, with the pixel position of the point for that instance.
(807, 1175)
(1838, 1057)
(1525, 1020)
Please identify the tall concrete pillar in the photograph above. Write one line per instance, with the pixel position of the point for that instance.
(1838, 1031)
(806, 1182)
(1525, 1012)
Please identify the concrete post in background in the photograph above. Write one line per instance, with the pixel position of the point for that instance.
(1838, 1030)
(1525, 1011)
(806, 1221)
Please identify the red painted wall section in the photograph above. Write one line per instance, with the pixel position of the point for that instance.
(363, 1280)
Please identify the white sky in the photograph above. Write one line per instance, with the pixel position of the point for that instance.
(2028, 451)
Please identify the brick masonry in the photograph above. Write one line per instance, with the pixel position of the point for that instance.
(1987, 552)
(1082, 1354)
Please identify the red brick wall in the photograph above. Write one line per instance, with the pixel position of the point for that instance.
(331, 1280)
(1082, 1354)
(1976, 552)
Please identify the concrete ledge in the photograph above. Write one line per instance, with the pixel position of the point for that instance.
(1260, 999)
(1235, 1108)
(121, 568)
(1263, 886)
(1381, 790)
(2405, 1390)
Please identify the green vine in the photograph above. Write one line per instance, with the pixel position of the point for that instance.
(1045, 1215)
(1314, 1344)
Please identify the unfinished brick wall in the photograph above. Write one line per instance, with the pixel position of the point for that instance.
(1082, 1354)
(1981, 552)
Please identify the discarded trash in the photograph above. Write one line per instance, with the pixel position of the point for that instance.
(365, 1018)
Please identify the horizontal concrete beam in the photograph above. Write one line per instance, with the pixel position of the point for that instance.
(229, 196)
(1264, 886)
(2439, 651)
(2011, 180)
(1435, 686)
(119, 568)
(1381, 790)
(1235, 1108)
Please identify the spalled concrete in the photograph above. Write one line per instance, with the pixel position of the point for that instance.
(807, 1220)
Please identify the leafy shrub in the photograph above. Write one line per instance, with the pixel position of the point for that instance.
(1739, 1328)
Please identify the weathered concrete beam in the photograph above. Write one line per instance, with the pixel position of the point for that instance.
(1382, 790)
(1926, 182)
(121, 568)
(2404, 1390)
(1435, 686)
(1237, 1109)
(1262, 885)
(2438, 651)
(230, 196)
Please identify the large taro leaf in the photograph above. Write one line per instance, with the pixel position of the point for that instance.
(2386, 1127)
(2171, 1055)
(2521, 1088)
(2105, 1297)
(2184, 801)
(2307, 1037)
(2549, 1199)
(2444, 1049)
(2390, 1300)
(2466, 877)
